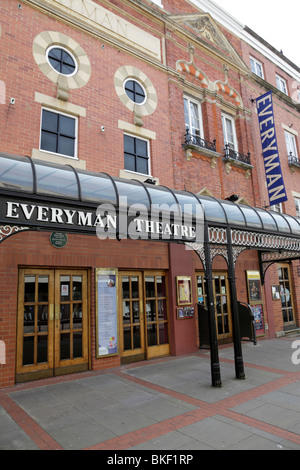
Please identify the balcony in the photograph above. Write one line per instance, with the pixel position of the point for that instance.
(194, 144)
(197, 141)
(231, 154)
(294, 162)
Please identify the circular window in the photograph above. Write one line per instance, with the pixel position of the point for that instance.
(135, 91)
(61, 60)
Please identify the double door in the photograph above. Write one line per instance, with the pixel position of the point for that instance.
(144, 325)
(221, 303)
(52, 335)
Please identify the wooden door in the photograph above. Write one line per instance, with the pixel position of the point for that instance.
(221, 303)
(286, 294)
(52, 331)
(144, 323)
(131, 308)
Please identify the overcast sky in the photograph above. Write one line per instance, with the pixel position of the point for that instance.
(276, 22)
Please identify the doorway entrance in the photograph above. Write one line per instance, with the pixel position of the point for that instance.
(221, 303)
(144, 323)
(52, 334)
(286, 294)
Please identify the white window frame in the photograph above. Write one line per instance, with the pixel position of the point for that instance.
(233, 144)
(291, 145)
(188, 119)
(256, 67)
(148, 154)
(75, 157)
(281, 84)
(277, 208)
(297, 204)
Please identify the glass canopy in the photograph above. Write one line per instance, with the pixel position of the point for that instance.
(25, 175)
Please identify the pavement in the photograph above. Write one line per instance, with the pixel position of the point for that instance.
(164, 405)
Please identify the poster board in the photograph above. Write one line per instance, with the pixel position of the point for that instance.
(106, 312)
(254, 287)
(184, 290)
(256, 300)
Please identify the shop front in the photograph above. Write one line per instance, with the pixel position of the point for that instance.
(100, 271)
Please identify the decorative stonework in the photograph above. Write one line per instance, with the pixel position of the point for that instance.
(205, 27)
(64, 83)
(224, 87)
(88, 14)
(192, 69)
(128, 71)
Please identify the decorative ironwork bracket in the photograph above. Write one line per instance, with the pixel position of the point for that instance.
(8, 230)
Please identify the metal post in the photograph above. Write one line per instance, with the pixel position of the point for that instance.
(238, 355)
(214, 352)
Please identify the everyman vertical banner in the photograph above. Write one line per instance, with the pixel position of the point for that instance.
(273, 172)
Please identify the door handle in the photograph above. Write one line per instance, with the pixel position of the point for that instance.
(51, 312)
(57, 311)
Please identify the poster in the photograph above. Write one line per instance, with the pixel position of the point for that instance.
(184, 290)
(254, 287)
(258, 316)
(106, 312)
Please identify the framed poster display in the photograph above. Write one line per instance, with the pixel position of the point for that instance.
(258, 314)
(254, 287)
(184, 290)
(185, 312)
(106, 312)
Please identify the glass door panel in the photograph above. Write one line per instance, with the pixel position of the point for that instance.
(35, 326)
(132, 330)
(286, 295)
(221, 302)
(52, 322)
(157, 324)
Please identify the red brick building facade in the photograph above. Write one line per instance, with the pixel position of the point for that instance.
(136, 90)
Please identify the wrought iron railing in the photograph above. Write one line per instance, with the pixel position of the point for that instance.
(197, 141)
(234, 155)
(293, 160)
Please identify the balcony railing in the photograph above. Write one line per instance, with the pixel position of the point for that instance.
(293, 160)
(197, 141)
(237, 156)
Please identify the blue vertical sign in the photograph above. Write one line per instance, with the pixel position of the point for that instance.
(273, 172)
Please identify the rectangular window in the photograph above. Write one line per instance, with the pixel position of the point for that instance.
(297, 204)
(136, 154)
(193, 117)
(256, 67)
(58, 133)
(281, 84)
(277, 208)
(229, 132)
(291, 147)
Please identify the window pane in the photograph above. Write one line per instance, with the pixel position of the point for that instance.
(50, 121)
(66, 146)
(142, 165)
(129, 162)
(141, 148)
(42, 349)
(67, 126)
(129, 144)
(49, 142)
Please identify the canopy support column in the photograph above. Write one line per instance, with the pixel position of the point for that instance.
(238, 355)
(214, 350)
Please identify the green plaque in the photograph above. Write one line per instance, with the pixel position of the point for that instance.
(58, 239)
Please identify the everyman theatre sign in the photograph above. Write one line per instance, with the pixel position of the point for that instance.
(275, 183)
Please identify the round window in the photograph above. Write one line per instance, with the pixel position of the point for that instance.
(61, 60)
(135, 91)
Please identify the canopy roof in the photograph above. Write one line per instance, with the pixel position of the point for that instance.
(27, 176)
